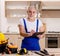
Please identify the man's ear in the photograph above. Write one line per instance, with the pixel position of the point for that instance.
(27, 11)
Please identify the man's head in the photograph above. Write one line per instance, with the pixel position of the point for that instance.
(31, 11)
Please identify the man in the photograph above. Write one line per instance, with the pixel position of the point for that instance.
(28, 26)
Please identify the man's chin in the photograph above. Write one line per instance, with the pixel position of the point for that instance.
(32, 17)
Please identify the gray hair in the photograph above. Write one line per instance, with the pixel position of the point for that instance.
(32, 6)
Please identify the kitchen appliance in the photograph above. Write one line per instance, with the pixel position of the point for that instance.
(52, 40)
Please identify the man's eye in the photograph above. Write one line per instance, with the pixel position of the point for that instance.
(31, 11)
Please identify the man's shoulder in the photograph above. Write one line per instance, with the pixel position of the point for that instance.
(39, 20)
(21, 19)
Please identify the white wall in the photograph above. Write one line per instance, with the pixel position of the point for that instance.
(0, 15)
(3, 20)
(13, 24)
(52, 24)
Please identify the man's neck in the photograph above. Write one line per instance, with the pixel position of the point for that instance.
(31, 19)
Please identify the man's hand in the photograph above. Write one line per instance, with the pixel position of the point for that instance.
(40, 36)
(31, 33)
(41, 29)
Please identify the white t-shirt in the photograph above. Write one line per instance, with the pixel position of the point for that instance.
(31, 25)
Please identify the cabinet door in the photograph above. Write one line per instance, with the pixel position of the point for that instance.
(19, 42)
(42, 43)
(15, 39)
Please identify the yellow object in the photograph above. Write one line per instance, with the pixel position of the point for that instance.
(12, 46)
(25, 50)
(2, 38)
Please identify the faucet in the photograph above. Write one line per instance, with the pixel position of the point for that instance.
(8, 28)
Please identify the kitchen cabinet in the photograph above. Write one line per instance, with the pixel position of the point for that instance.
(14, 38)
(42, 42)
(16, 9)
(17, 39)
(50, 13)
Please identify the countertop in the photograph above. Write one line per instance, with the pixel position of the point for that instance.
(55, 51)
(51, 33)
(14, 33)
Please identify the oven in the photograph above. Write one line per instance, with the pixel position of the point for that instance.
(52, 41)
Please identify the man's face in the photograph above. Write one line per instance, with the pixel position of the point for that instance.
(31, 12)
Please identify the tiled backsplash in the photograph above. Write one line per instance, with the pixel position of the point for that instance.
(52, 24)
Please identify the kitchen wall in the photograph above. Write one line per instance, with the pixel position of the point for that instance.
(0, 15)
(52, 19)
(52, 24)
(3, 20)
(13, 25)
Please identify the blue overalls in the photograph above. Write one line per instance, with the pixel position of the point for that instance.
(31, 43)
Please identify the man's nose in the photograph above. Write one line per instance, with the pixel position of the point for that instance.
(31, 13)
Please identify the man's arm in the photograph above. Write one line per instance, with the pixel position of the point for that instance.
(23, 32)
(41, 29)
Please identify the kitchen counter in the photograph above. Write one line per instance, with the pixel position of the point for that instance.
(12, 33)
(51, 50)
(29, 54)
(55, 51)
(51, 33)
(18, 33)
(18, 55)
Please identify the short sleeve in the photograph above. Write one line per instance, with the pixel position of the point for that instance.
(21, 22)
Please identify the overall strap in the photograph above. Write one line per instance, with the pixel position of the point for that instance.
(25, 24)
(37, 25)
